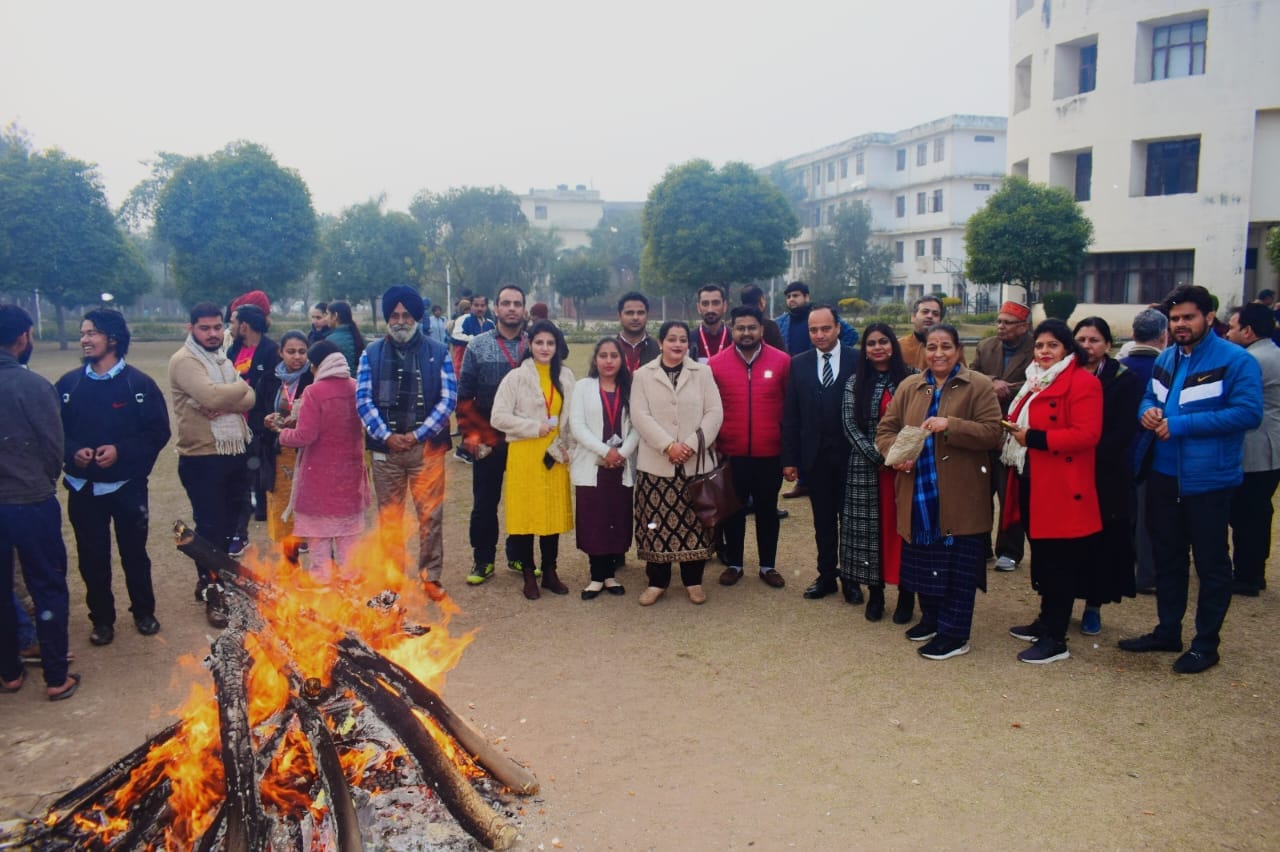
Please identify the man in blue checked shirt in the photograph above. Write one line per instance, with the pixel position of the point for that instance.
(405, 393)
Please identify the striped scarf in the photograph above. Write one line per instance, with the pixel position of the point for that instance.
(925, 526)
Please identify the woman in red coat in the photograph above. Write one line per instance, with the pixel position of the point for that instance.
(1056, 422)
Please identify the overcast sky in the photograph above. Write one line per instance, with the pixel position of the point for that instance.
(363, 98)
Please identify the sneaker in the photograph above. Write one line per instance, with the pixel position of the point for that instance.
(517, 567)
(215, 608)
(944, 648)
(1149, 642)
(480, 574)
(1091, 622)
(103, 634)
(434, 590)
(1028, 632)
(922, 632)
(1006, 563)
(1194, 662)
(1045, 650)
(236, 547)
(304, 547)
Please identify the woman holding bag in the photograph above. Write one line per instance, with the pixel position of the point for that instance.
(528, 407)
(604, 443)
(674, 400)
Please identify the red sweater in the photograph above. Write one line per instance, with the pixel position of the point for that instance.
(753, 399)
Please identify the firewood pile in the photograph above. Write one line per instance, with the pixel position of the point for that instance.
(320, 733)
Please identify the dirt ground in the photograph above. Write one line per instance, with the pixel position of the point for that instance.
(760, 719)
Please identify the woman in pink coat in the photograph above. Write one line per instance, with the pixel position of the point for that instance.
(330, 492)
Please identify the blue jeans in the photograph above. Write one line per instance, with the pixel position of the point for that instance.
(35, 531)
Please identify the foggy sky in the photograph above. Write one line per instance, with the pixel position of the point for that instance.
(378, 97)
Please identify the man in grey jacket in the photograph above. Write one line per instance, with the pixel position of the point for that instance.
(1252, 327)
(30, 517)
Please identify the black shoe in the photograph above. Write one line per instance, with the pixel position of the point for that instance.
(1146, 590)
(215, 608)
(1194, 662)
(1028, 632)
(1045, 650)
(820, 588)
(1149, 642)
(619, 589)
(922, 632)
(852, 593)
(1245, 589)
(103, 634)
(875, 604)
(146, 624)
(590, 594)
(783, 514)
(944, 648)
(906, 607)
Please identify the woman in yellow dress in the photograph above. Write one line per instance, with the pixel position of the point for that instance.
(531, 404)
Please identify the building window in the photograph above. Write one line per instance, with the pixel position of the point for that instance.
(801, 258)
(1178, 50)
(831, 171)
(921, 202)
(937, 246)
(844, 167)
(859, 163)
(1140, 277)
(982, 187)
(1023, 7)
(919, 248)
(817, 174)
(1088, 68)
(939, 149)
(831, 214)
(1022, 85)
(1084, 174)
(1173, 167)
(902, 159)
(922, 153)
(539, 211)
(899, 247)
(900, 205)
(937, 201)
(983, 138)
(817, 216)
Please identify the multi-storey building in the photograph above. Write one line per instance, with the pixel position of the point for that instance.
(572, 212)
(921, 185)
(1163, 118)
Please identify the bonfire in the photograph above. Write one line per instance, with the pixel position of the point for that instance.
(322, 728)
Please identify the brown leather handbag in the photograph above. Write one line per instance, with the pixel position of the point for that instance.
(711, 494)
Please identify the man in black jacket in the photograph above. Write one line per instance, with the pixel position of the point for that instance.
(813, 441)
(114, 424)
(254, 355)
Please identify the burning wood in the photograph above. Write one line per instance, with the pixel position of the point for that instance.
(320, 734)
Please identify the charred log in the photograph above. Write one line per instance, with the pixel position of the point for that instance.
(331, 776)
(246, 824)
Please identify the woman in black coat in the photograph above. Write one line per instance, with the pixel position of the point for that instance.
(1110, 577)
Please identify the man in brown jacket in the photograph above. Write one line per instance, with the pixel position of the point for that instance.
(1004, 359)
(209, 401)
(927, 312)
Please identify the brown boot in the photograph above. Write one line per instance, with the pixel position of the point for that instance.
(530, 582)
(552, 583)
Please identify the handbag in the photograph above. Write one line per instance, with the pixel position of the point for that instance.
(711, 494)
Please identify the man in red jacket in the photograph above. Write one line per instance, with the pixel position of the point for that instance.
(752, 378)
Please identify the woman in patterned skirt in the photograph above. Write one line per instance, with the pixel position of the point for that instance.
(870, 550)
(532, 401)
(673, 399)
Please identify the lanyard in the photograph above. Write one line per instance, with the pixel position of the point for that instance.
(631, 353)
(514, 362)
(548, 400)
(611, 411)
(706, 347)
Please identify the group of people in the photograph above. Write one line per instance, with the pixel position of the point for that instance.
(1097, 461)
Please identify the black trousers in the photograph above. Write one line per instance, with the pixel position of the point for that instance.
(603, 567)
(659, 573)
(1196, 523)
(486, 494)
(826, 497)
(1012, 540)
(91, 519)
(756, 480)
(520, 547)
(1251, 512)
(218, 488)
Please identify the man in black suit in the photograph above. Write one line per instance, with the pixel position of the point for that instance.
(813, 441)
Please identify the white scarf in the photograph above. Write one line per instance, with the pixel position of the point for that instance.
(1012, 453)
(230, 431)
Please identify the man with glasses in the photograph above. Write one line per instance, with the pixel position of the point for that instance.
(1004, 358)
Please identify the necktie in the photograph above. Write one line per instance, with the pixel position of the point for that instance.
(827, 376)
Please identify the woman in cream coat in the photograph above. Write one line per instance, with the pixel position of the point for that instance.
(672, 399)
(600, 467)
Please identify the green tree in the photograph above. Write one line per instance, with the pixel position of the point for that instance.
(138, 210)
(1273, 248)
(845, 257)
(57, 233)
(1026, 233)
(618, 242)
(237, 221)
(366, 250)
(472, 235)
(704, 226)
(581, 276)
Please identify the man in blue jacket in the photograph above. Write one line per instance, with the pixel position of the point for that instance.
(1205, 393)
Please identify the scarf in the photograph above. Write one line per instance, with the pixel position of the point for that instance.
(397, 385)
(230, 432)
(925, 519)
(288, 380)
(1012, 453)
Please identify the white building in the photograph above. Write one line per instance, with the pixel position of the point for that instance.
(1163, 117)
(921, 185)
(572, 212)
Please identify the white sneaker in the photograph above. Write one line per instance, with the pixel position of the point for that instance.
(1004, 563)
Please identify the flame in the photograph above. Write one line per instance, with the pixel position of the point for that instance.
(460, 758)
(306, 618)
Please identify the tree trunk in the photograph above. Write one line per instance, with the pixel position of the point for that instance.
(62, 324)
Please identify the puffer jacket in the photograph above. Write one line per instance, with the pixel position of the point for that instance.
(754, 395)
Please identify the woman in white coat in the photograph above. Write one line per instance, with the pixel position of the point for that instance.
(600, 467)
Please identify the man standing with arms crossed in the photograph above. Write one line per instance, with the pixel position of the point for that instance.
(209, 401)
(114, 424)
(1204, 395)
(30, 518)
(488, 359)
